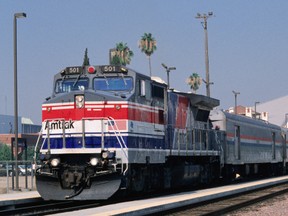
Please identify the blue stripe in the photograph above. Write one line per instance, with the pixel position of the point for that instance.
(254, 145)
(109, 142)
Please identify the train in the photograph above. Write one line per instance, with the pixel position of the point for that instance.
(108, 129)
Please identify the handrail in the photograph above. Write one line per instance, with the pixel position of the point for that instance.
(220, 149)
(111, 122)
(117, 134)
(36, 145)
(117, 129)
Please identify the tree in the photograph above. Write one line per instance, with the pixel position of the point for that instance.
(147, 44)
(194, 81)
(122, 55)
(30, 153)
(86, 59)
(5, 152)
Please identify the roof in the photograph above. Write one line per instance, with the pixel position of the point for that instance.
(26, 121)
(202, 101)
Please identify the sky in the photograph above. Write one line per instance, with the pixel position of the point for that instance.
(248, 45)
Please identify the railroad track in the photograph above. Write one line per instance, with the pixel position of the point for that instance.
(47, 207)
(231, 203)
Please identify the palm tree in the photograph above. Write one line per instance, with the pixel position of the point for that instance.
(122, 55)
(147, 44)
(194, 81)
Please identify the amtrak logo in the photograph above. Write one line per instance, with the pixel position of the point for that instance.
(59, 125)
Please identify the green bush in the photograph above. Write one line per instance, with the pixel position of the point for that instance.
(5, 152)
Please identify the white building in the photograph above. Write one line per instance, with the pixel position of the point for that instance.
(277, 110)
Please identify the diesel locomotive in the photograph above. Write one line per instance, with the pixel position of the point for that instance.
(109, 128)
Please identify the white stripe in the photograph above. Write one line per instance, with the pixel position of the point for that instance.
(100, 104)
(76, 150)
(109, 106)
(94, 106)
(62, 107)
(117, 102)
(97, 109)
(94, 102)
(58, 104)
(133, 105)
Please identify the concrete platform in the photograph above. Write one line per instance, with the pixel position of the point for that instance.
(154, 205)
(19, 197)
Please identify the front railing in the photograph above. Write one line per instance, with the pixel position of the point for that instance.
(103, 122)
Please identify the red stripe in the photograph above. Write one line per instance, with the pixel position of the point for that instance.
(121, 125)
(133, 112)
(231, 135)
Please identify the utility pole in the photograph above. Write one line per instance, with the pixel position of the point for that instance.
(204, 24)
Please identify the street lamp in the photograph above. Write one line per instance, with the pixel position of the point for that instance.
(286, 120)
(235, 94)
(168, 69)
(204, 24)
(16, 16)
(255, 108)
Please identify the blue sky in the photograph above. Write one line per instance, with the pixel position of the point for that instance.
(248, 46)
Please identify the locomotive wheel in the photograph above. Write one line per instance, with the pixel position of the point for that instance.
(138, 179)
(229, 174)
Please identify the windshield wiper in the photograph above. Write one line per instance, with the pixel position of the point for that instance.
(106, 80)
(63, 78)
(124, 79)
(76, 81)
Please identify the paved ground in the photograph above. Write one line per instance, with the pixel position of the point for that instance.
(274, 207)
(6, 182)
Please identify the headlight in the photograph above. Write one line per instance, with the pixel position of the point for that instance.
(55, 162)
(79, 100)
(93, 161)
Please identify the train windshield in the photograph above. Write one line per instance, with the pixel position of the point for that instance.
(113, 84)
(68, 85)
